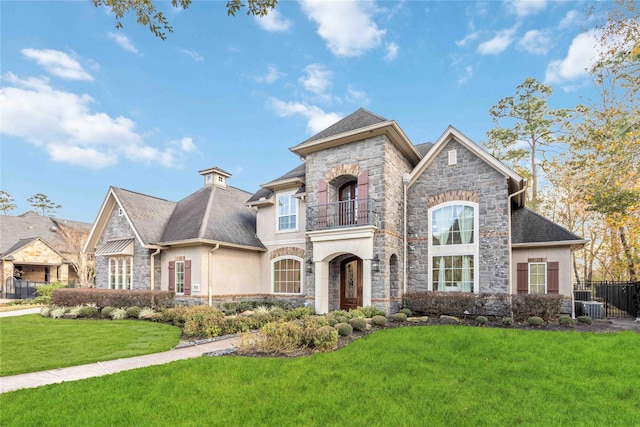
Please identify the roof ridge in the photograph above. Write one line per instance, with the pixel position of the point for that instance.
(207, 213)
(143, 194)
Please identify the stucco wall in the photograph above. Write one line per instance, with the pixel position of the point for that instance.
(562, 255)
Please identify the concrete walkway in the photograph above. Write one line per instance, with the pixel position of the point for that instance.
(73, 373)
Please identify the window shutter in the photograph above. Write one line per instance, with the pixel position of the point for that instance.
(322, 202)
(187, 277)
(363, 198)
(523, 278)
(172, 276)
(553, 278)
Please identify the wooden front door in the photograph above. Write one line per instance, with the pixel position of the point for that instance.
(351, 283)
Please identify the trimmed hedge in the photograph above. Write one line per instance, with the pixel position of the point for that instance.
(112, 297)
(544, 306)
(433, 303)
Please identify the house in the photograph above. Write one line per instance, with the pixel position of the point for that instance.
(367, 217)
(36, 249)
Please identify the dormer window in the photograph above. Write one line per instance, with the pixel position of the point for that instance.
(209, 179)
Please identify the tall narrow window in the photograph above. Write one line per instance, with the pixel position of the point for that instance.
(179, 277)
(287, 277)
(287, 212)
(538, 278)
(453, 247)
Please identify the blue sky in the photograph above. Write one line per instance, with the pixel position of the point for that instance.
(85, 106)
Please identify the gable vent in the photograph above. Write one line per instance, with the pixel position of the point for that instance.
(453, 157)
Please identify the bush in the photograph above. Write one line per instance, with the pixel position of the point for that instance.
(44, 292)
(358, 324)
(343, 316)
(565, 321)
(344, 329)
(332, 321)
(300, 312)
(367, 312)
(399, 317)
(112, 298)
(325, 338)
(533, 305)
(535, 321)
(379, 321)
(106, 311)
(585, 320)
(88, 311)
(279, 337)
(119, 314)
(133, 312)
(406, 311)
(58, 312)
(45, 311)
(482, 320)
(507, 321)
(146, 313)
(434, 303)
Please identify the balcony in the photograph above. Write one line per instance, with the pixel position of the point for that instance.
(349, 213)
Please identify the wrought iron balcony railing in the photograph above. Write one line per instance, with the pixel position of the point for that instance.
(348, 213)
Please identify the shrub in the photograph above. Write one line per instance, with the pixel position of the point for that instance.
(482, 320)
(535, 321)
(585, 320)
(344, 329)
(358, 324)
(133, 312)
(119, 314)
(533, 305)
(507, 321)
(58, 312)
(279, 337)
(45, 311)
(399, 317)
(332, 321)
(106, 311)
(146, 313)
(565, 321)
(112, 298)
(325, 338)
(343, 316)
(300, 312)
(406, 311)
(367, 312)
(44, 292)
(445, 303)
(88, 311)
(75, 310)
(379, 321)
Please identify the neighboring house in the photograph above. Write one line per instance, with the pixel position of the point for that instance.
(40, 249)
(366, 218)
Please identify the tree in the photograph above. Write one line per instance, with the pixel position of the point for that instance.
(83, 264)
(42, 203)
(6, 202)
(148, 15)
(534, 128)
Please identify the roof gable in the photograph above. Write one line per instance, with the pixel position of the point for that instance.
(356, 120)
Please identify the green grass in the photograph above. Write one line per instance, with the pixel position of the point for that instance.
(34, 343)
(436, 376)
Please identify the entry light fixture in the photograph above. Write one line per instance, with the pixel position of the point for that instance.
(375, 264)
(309, 266)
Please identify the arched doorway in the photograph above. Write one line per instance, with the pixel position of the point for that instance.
(351, 283)
(347, 196)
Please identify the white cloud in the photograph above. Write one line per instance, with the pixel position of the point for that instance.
(359, 97)
(581, 56)
(273, 22)
(535, 42)
(392, 51)
(63, 124)
(468, 72)
(58, 63)
(468, 38)
(569, 20)
(193, 54)
(317, 119)
(346, 26)
(123, 41)
(522, 8)
(497, 44)
(317, 80)
(271, 76)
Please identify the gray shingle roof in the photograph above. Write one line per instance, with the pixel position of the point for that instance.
(424, 148)
(16, 231)
(297, 172)
(528, 226)
(148, 214)
(356, 120)
(213, 213)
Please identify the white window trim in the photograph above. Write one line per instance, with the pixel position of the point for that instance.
(546, 279)
(297, 209)
(450, 250)
(121, 267)
(175, 276)
(302, 273)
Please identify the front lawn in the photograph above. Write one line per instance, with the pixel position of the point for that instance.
(32, 343)
(436, 375)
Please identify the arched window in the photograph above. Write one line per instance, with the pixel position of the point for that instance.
(453, 246)
(286, 275)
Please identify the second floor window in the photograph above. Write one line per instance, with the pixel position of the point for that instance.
(287, 212)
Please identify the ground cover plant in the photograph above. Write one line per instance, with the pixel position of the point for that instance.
(34, 343)
(433, 375)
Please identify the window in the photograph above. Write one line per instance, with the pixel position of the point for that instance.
(538, 278)
(287, 278)
(120, 272)
(454, 247)
(179, 277)
(287, 212)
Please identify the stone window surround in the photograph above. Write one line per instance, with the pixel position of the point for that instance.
(288, 251)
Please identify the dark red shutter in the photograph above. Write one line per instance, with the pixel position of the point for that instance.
(322, 204)
(523, 278)
(172, 276)
(187, 277)
(553, 278)
(363, 198)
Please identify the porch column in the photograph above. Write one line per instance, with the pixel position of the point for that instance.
(321, 269)
(366, 282)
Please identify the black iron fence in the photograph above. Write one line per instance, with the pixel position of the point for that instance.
(348, 213)
(619, 299)
(14, 288)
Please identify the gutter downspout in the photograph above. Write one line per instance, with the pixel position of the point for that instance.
(153, 266)
(509, 240)
(209, 287)
(405, 183)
